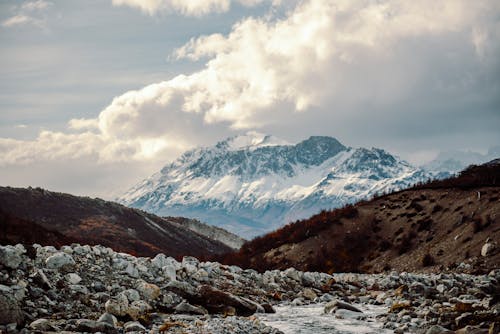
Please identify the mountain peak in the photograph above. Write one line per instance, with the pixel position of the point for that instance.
(250, 140)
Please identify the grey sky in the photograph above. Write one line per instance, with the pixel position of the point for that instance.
(414, 78)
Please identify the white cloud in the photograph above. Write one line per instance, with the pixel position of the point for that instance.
(36, 5)
(323, 55)
(186, 7)
(20, 19)
(28, 14)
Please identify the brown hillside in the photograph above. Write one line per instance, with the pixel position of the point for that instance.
(44, 217)
(430, 227)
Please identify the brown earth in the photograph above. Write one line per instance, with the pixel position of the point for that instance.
(431, 227)
(50, 218)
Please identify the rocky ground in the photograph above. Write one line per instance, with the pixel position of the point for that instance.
(95, 289)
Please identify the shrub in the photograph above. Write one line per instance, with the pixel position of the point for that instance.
(437, 208)
(427, 260)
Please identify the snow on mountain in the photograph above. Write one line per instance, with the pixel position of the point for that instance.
(254, 183)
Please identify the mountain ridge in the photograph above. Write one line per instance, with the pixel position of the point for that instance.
(59, 218)
(253, 189)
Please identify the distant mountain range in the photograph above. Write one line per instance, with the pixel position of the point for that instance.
(36, 215)
(254, 183)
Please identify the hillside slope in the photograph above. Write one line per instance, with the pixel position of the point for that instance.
(430, 227)
(59, 218)
(253, 184)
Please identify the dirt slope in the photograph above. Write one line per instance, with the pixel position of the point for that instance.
(431, 227)
(37, 215)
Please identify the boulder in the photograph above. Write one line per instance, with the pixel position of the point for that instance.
(117, 306)
(73, 278)
(148, 291)
(43, 325)
(215, 301)
(10, 311)
(309, 294)
(10, 257)
(186, 308)
(138, 309)
(59, 260)
(134, 326)
(40, 279)
(348, 314)
(132, 295)
(335, 305)
(487, 249)
(109, 319)
(92, 326)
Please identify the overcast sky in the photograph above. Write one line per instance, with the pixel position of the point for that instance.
(98, 94)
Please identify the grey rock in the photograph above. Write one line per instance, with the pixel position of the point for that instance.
(187, 308)
(117, 306)
(134, 326)
(148, 291)
(109, 319)
(335, 305)
(132, 295)
(348, 314)
(42, 324)
(40, 279)
(73, 278)
(436, 329)
(10, 311)
(10, 257)
(92, 326)
(59, 260)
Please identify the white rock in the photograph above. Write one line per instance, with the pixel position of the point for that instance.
(59, 260)
(73, 278)
(487, 249)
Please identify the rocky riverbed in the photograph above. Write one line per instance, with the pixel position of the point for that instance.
(94, 289)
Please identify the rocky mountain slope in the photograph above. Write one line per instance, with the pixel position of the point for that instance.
(253, 184)
(431, 227)
(95, 289)
(50, 218)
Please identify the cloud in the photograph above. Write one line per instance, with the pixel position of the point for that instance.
(186, 7)
(17, 20)
(320, 64)
(28, 14)
(36, 5)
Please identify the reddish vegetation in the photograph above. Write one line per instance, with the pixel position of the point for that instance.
(40, 216)
(429, 227)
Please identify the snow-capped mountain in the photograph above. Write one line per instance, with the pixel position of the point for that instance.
(252, 184)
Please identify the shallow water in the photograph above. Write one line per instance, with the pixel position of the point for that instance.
(311, 319)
